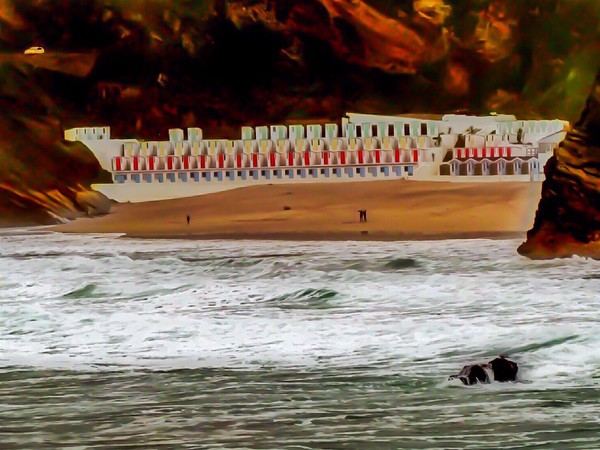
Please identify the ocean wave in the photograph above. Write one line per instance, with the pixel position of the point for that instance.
(309, 298)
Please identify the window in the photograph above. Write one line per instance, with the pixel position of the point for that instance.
(263, 173)
(423, 129)
(227, 174)
(252, 173)
(322, 171)
(405, 169)
(357, 170)
(406, 129)
(374, 130)
(287, 172)
(298, 172)
(239, 174)
(310, 171)
(204, 175)
(391, 129)
(382, 170)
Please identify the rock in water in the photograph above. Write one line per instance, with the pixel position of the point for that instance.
(567, 221)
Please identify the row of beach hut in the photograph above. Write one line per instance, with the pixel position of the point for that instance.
(271, 159)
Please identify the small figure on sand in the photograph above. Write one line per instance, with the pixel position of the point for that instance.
(188, 218)
(362, 215)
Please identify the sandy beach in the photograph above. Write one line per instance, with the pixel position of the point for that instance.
(396, 210)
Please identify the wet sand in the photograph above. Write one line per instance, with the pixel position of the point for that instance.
(396, 210)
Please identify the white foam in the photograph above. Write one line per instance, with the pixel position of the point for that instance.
(81, 301)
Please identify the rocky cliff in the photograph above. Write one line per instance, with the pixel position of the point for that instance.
(567, 221)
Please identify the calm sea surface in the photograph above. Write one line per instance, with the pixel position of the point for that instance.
(117, 343)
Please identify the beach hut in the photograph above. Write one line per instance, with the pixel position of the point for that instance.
(194, 134)
(262, 133)
(301, 145)
(137, 163)
(371, 143)
(257, 160)
(189, 162)
(293, 158)
(378, 156)
(204, 161)
(120, 163)
(283, 146)
(296, 132)
(153, 163)
(467, 168)
(148, 149)
(250, 147)
(513, 167)
(247, 133)
(337, 144)
(530, 166)
(327, 158)
(482, 167)
(314, 132)
(362, 157)
(355, 144)
(331, 131)
(164, 148)
(278, 132)
(389, 143)
(173, 162)
(241, 160)
(197, 148)
(498, 167)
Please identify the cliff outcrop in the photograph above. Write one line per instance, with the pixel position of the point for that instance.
(567, 221)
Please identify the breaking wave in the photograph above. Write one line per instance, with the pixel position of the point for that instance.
(226, 333)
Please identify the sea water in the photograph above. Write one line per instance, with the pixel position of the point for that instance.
(108, 342)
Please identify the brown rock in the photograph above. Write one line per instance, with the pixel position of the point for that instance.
(567, 221)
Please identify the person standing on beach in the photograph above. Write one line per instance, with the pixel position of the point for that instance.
(188, 218)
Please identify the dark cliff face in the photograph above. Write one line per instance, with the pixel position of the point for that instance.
(41, 176)
(568, 217)
(142, 66)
